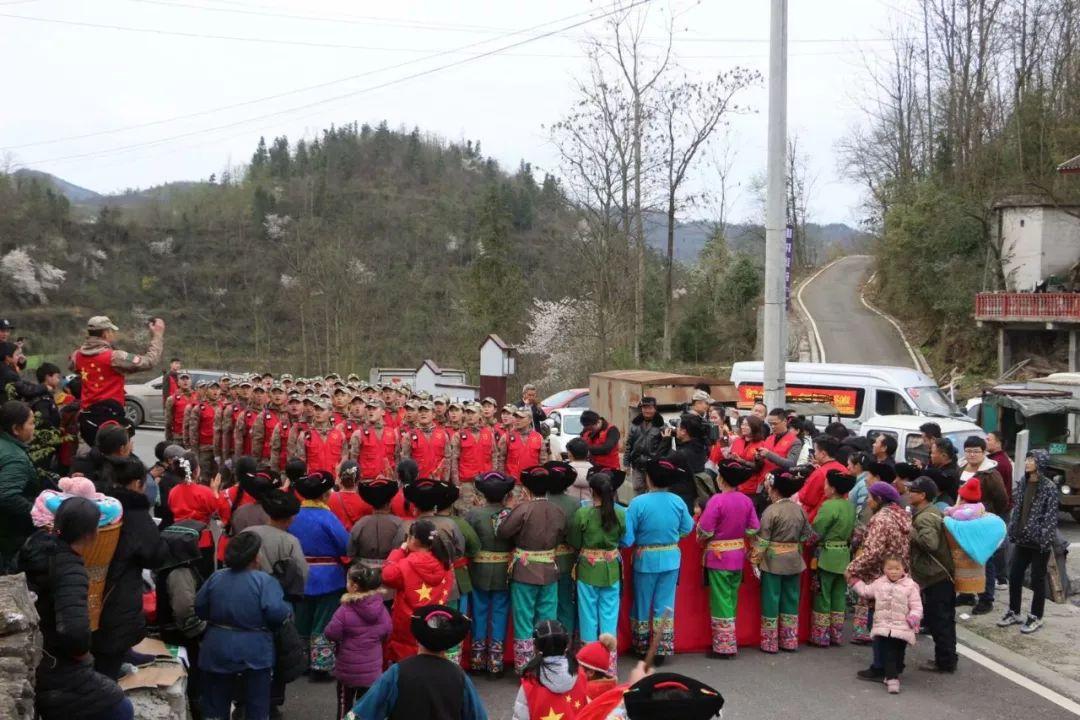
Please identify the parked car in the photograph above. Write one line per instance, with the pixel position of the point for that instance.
(909, 441)
(565, 425)
(143, 404)
(577, 398)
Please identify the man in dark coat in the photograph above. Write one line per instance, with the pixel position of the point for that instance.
(644, 441)
(13, 387)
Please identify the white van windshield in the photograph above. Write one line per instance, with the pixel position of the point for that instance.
(932, 401)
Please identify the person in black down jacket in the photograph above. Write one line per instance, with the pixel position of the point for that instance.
(139, 547)
(690, 453)
(67, 687)
(643, 441)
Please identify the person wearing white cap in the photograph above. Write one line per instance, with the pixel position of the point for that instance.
(102, 368)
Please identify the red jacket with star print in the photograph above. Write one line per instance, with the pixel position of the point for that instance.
(420, 579)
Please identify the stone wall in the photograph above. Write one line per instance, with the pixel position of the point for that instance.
(20, 648)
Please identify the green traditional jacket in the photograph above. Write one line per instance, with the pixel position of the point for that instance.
(564, 557)
(833, 525)
(586, 534)
(472, 546)
(488, 567)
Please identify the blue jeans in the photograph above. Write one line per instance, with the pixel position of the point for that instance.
(120, 711)
(218, 691)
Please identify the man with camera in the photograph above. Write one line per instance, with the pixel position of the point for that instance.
(102, 369)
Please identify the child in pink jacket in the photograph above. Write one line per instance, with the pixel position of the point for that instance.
(897, 612)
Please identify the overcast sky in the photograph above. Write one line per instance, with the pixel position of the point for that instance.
(71, 72)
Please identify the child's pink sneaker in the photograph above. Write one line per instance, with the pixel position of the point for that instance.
(893, 686)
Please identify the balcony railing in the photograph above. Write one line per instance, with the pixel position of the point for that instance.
(1028, 307)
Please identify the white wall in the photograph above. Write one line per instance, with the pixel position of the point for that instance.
(425, 380)
(1021, 231)
(1061, 242)
(491, 359)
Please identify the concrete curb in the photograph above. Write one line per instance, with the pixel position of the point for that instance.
(1014, 661)
(916, 356)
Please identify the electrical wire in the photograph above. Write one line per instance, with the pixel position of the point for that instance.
(342, 96)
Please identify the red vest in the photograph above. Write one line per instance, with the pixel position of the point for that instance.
(610, 459)
(271, 419)
(206, 423)
(234, 411)
(779, 447)
(100, 381)
(337, 418)
(543, 703)
(180, 404)
(522, 452)
(285, 424)
(429, 452)
(376, 455)
(348, 426)
(474, 456)
(248, 419)
(323, 453)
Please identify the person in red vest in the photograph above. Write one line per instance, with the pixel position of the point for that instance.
(473, 450)
(603, 440)
(522, 446)
(552, 684)
(743, 450)
(169, 381)
(244, 423)
(374, 445)
(279, 437)
(230, 415)
(262, 431)
(781, 449)
(812, 494)
(102, 368)
(175, 407)
(321, 444)
(200, 425)
(355, 418)
(427, 444)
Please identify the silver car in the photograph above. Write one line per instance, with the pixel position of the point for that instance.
(144, 404)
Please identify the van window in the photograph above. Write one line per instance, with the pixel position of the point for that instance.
(887, 402)
(914, 447)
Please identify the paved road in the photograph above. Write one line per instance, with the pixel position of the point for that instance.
(849, 332)
(812, 684)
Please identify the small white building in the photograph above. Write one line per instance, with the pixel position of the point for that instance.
(1039, 240)
(429, 378)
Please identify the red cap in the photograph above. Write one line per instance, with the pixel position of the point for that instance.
(971, 491)
(596, 656)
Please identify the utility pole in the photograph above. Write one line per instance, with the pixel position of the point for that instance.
(775, 345)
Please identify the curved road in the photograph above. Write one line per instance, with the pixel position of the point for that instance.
(849, 331)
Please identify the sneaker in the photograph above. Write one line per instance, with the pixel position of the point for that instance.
(982, 607)
(893, 686)
(872, 674)
(1009, 618)
(1002, 582)
(1031, 624)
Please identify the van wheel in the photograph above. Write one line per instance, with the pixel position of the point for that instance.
(134, 413)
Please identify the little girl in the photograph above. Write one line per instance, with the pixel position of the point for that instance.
(358, 629)
(552, 684)
(897, 612)
(968, 505)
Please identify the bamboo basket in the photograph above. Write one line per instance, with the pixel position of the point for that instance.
(97, 561)
(970, 576)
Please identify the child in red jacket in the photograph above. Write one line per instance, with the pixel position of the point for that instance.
(421, 573)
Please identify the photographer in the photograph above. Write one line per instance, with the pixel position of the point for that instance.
(644, 441)
(690, 453)
(102, 369)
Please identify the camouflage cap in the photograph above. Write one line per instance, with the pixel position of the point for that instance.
(387, 386)
(244, 382)
(201, 384)
(295, 396)
(277, 388)
(100, 322)
(442, 400)
(489, 401)
(367, 385)
(455, 404)
(286, 377)
(353, 377)
(412, 404)
(258, 388)
(425, 404)
(522, 412)
(183, 374)
(340, 389)
(509, 408)
(471, 407)
(331, 376)
(320, 403)
(374, 402)
(701, 396)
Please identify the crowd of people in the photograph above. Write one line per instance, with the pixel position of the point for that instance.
(375, 536)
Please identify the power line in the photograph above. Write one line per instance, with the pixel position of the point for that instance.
(372, 88)
(297, 91)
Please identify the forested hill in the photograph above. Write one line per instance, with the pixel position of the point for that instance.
(365, 246)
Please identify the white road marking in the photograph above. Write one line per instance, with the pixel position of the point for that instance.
(1024, 682)
(815, 336)
(915, 358)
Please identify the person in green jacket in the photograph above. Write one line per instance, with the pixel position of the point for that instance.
(595, 532)
(489, 575)
(563, 475)
(833, 526)
(19, 483)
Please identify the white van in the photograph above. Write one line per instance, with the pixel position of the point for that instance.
(858, 392)
(909, 440)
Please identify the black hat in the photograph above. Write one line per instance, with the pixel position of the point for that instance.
(734, 473)
(427, 494)
(378, 492)
(279, 504)
(670, 695)
(924, 485)
(665, 473)
(5, 324)
(439, 627)
(647, 400)
(907, 471)
(537, 479)
(617, 476)
(251, 482)
(182, 540)
(315, 485)
(841, 482)
(407, 471)
(883, 472)
(787, 484)
(562, 473)
(494, 486)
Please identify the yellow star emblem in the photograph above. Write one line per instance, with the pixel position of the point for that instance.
(552, 715)
(85, 375)
(424, 592)
(577, 704)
